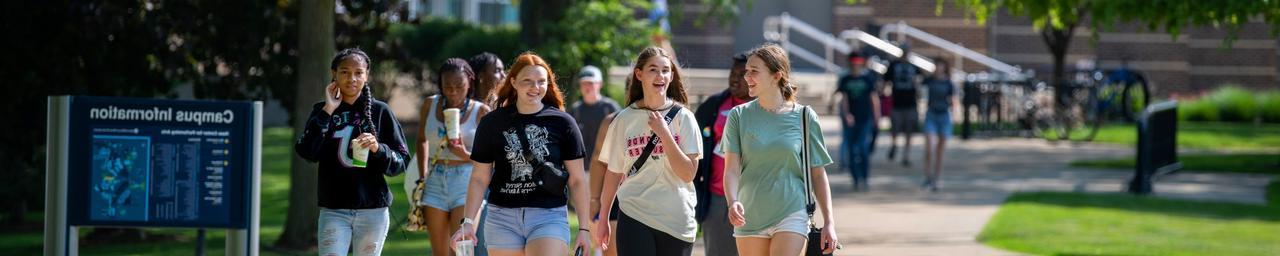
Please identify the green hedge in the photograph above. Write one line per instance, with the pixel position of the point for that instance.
(1235, 104)
(1231, 103)
(435, 39)
(1198, 110)
(1269, 107)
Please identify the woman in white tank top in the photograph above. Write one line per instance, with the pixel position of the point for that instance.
(445, 164)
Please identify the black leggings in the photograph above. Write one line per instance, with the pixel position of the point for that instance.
(638, 239)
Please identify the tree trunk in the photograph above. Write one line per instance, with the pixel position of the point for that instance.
(315, 48)
(535, 17)
(1059, 42)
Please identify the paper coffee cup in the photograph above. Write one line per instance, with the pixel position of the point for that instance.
(360, 155)
(451, 122)
(464, 248)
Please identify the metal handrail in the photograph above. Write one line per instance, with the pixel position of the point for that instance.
(906, 30)
(778, 29)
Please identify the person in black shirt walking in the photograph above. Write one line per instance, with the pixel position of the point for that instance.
(528, 136)
(356, 141)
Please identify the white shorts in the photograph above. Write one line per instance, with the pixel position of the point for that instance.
(796, 222)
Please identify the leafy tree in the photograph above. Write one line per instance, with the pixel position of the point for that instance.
(600, 33)
(224, 50)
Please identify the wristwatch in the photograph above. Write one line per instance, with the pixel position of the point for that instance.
(466, 221)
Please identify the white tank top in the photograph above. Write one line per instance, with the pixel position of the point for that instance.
(435, 132)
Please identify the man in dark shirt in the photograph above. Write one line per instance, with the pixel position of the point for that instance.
(859, 108)
(901, 76)
(592, 108)
(712, 210)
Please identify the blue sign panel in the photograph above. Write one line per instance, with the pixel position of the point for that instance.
(159, 163)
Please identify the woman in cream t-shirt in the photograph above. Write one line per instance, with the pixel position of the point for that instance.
(657, 200)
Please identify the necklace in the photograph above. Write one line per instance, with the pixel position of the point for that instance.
(779, 109)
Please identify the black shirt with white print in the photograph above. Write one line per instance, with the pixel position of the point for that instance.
(554, 137)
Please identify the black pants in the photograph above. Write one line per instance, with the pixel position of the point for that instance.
(638, 239)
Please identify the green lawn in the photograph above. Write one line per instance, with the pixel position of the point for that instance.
(1051, 223)
(277, 150)
(1241, 163)
(1204, 135)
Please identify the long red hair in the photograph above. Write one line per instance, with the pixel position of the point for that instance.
(507, 91)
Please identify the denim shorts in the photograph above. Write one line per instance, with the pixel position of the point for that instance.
(937, 123)
(513, 228)
(796, 222)
(340, 230)
(446, 188)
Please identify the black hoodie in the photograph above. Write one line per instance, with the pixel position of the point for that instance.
(326, 140)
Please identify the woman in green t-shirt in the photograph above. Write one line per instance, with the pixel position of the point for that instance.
(763, 178)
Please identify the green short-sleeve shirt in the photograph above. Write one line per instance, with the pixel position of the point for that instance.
(772, 183)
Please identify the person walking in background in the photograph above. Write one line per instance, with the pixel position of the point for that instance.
(598, 171)
(522, 147)
(592, 108)
(593, 113)
(654, 145)
(860, 108)
(489, 75)
(446, 169)
(765, 179)
(712, 210)
(937, 122)
(901, 76)
(356, 140)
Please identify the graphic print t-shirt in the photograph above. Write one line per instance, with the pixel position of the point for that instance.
(553, 138)
(654, 196)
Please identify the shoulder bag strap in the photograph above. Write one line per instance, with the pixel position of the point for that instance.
(653, 142)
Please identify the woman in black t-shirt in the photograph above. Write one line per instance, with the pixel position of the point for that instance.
(529, 129)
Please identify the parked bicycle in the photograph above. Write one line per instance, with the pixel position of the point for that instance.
(1095, 98)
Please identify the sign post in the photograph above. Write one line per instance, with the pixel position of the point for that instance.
(129, 162)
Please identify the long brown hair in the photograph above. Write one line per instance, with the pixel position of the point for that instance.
(507, 91)
(775, 58)
(675, 89)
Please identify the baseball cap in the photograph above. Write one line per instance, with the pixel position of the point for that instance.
(590, 73)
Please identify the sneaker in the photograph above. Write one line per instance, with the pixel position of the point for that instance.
(892, 150)
(933, 187)
(906, 163)
(926, 184)
(861, 186)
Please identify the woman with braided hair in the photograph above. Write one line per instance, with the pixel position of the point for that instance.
(353, 195)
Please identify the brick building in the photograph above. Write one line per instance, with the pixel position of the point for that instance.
(1195, 61)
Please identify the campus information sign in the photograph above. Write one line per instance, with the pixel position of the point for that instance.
(133, 162)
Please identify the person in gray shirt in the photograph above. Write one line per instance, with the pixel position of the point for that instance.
(592, 108)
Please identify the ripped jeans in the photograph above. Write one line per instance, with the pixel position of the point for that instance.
(338, 228)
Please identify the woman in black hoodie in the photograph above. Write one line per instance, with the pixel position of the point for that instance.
(353, 195)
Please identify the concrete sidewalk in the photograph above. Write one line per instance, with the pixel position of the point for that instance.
(896, 217)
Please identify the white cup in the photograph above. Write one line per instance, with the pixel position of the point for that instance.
(451, 122)
(464, 248)
(360, 155)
